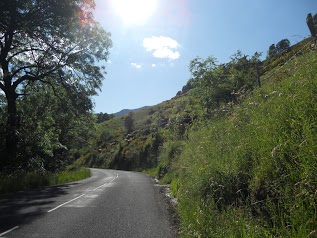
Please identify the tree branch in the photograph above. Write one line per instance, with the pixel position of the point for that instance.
(2, 87)
(23, 51)
(53, 88)
(23, 78)
(1, 45)
(22, 68)
(33, 77)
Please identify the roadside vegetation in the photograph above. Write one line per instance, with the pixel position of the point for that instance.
(48, 74)
(252, 173)
(236, 145)
(32, 180)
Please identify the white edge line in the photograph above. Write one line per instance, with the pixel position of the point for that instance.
(6, 232)
(65, 203)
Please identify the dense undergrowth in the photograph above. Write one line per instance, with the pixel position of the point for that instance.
(253, 172)
(32, 180)
(237, 146)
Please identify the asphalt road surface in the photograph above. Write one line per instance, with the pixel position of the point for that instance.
(110, 204)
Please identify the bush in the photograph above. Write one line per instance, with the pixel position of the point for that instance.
(253, 173)
(25, 181)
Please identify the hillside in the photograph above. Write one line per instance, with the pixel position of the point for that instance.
(240, 158)
(126, 111)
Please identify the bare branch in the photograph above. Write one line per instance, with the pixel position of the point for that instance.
(24, 78)
(2, 87)
(23, 68)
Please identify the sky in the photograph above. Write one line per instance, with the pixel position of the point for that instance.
(154, 41)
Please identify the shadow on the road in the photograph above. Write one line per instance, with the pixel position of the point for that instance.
(22, 207)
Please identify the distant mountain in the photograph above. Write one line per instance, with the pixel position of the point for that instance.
(126, 111)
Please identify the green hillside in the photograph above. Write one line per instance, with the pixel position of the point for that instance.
(237, 145)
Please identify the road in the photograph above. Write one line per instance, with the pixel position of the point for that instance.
(114, 204)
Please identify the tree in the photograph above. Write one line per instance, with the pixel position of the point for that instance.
(218, 84)
(272, 51)
(199, 67)
(101, 117)
(51, 129)
(129, 122)
(282, 45)
(55, 43)
(255, 60)
(277, 49)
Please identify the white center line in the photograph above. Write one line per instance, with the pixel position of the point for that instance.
(82, 195)
(6, 232)
(106, 183)
(66, 203)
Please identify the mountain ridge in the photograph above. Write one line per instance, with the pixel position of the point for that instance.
(126, 111)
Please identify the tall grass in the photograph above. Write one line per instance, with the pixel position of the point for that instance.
(253, 173)
(24, 181)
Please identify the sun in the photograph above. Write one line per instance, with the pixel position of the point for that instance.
(134, 12)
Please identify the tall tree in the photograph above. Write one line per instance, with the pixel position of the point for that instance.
(51, 130)
(101, 117)
(272, 51)
(216, 84)
(283, 45)
(129, 122)
(53, 42)
(277, 49)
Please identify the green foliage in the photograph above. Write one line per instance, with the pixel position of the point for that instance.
(32, 180)
(253, 172)
(129, 122)
(46, 48)
(51, 129)
(300, 48)
(170, 151)
(101, 117)
(220, 84)
(239, 158)
(272, 51)
(69, 175)
(281, 47)
(140, 149)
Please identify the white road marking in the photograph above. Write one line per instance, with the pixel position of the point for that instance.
(66, 203)
(84, 202)
(107, 183)
(6, 232)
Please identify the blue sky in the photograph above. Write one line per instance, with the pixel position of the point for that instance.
(154, 41)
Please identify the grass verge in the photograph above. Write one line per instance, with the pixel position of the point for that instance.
(253, 172)
(25, 181)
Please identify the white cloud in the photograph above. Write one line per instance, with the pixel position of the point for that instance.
(153, 65)
(162, 47)
(135, 65)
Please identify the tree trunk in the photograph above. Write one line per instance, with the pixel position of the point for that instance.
(11, 96)
(12, 126)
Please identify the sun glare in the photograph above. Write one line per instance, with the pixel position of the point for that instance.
(134, 12)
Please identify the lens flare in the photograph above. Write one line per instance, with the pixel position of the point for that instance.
(134, 12)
